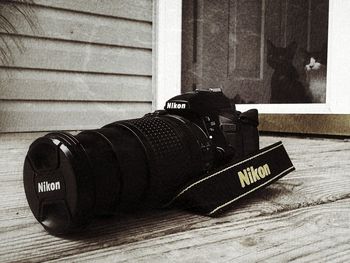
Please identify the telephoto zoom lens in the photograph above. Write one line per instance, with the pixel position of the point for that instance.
(69, 180)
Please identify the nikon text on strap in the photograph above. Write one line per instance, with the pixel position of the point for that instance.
(215, 192)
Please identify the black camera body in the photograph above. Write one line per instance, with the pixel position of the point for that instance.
(133, 164)
(232, 134)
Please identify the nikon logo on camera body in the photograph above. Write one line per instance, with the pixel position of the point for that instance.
(251, 175)
(176, 105)
(48, 187)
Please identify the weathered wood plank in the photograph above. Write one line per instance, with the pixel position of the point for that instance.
(51, 115)
(18, 84)
(317, 181)
(63, 55)
(70, 25)
(130, 9)
(330, 124)
(303, 235)
(305, 217)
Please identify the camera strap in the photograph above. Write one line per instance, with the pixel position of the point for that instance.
(217, 191)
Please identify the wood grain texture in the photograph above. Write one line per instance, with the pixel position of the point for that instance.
(62, 55)
(304, 217)
(280, 238)
(82, 27)
(25, 84)
(129, 9)
(91, 51)
(55, 115)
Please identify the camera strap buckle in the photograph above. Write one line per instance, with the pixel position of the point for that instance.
(219, 190)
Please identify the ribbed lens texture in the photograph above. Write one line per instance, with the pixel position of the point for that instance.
(170, 158)
(164, 141)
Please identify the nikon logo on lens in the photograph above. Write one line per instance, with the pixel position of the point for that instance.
(48, 187)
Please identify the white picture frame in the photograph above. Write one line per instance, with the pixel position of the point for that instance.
(167, 30)
(167, 62)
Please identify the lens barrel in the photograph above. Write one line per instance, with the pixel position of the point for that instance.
(123, 166)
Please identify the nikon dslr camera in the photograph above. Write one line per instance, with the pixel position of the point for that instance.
(135, 163)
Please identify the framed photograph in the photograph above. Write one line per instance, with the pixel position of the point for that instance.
(283, 57)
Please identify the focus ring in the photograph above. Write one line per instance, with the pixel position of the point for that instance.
(169, 156)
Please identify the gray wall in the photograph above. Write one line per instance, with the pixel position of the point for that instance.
(85, 63)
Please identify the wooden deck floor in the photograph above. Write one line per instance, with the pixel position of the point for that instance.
(303, 217)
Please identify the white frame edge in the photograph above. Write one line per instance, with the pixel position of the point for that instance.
(167, 29)
(167, 61)
(338, 74)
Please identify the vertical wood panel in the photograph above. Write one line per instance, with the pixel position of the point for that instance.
(214, 40)
(245, 49)
(189, 26)
(274, 21)
(297, 22)
(275, 24)
(319, 24)
(246, 52)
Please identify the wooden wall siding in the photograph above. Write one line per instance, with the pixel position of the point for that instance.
(87, 63)
(37, 84)
(71, 56)
(130, 9)
(82, 27)
(29, 115)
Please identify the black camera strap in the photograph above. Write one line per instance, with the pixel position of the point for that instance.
(217, 191)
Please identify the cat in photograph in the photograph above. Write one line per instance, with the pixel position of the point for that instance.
(285, 84)
(315, 65)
